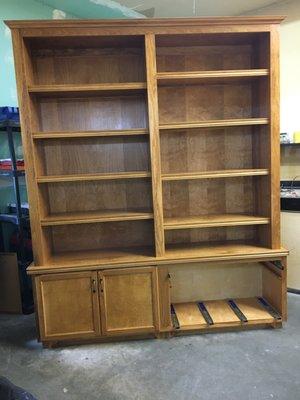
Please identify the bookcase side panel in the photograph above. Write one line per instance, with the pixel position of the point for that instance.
(23, 76)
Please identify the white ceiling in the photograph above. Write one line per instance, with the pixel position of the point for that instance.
(189, 8)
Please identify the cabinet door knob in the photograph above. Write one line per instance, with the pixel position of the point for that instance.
(101, 285)
(169, 278)
(94, 286)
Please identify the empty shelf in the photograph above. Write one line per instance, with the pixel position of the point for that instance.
(219, 313)
(105, 257)
(214, 123)
(188, 316)
(230, 173)
(93, 177)
(86, 89)
(78, 134)
(94, 216)
(198, 77)
(133, 256)
(207, 221)
(219, 250)
(253, 310)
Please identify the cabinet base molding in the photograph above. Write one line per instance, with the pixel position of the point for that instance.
(49, 344)
(216, 329)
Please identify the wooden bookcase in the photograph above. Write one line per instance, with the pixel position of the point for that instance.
(152, 151)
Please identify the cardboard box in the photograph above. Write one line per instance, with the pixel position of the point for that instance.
(10, 291)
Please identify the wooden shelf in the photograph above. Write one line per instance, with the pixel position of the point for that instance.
(119, 256)
(94, 216)
(190, 317)
(217, 250)
(142, 256)
(86, 89)
(214, 124)
(94, 177)
(208, 221)
(230, 173)
(198, 77)
(78, 134)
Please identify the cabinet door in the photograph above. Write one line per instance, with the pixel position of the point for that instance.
(68, 305)
(128, 301)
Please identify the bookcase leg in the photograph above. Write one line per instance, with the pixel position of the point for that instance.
(50, 345)
(163, 335)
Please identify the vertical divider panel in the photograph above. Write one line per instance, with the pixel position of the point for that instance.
(164, 299)
(261, 143)
(22, 62)
(274, 286)
(154, 143)
(283, 293)
(275, 138)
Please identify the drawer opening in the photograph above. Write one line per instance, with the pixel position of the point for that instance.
(226, 295)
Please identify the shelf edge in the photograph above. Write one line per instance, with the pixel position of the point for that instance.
(215, 123)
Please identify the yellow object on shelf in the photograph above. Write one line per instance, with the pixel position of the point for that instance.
(297, 137)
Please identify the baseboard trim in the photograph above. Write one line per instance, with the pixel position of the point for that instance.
(295, 291)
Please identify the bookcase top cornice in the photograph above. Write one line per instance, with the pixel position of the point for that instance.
(147, 23)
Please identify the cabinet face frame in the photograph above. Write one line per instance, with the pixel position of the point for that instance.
(104, 293)
(94, 304)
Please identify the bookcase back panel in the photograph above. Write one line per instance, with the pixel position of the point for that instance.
(207, 102)
(107, 235)
(206, 281)
(93, 113)
(94, 155)
(241, 234)
(209, 196)
(207, 150)
(204, 58)
(87, 62)
(95, 41)
(208, 52)
(98, 196)
(261, 146)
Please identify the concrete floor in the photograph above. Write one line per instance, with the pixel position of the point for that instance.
(253, 365)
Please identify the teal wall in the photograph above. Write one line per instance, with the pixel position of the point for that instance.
(105, 9)
(15, 9)
(42, 9)
(38, 9)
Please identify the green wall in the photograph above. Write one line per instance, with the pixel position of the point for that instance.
(38, 9)
(42, 9)
(15, 9)
(105, 9)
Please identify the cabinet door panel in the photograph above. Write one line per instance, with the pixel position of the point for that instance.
(68, 305)
(128, 301)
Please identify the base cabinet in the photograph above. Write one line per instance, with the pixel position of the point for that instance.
(160, 300)
(128, 301)
(90, 304)
(68, 305)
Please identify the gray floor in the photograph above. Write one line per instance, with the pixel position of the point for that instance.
(254, 365)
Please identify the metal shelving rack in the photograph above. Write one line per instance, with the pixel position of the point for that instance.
(18, 219)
